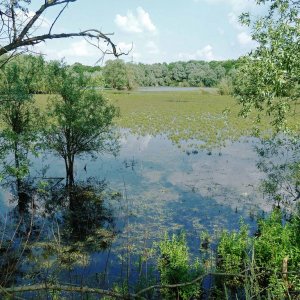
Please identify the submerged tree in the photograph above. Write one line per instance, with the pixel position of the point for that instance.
(81, 122)
(19, 120)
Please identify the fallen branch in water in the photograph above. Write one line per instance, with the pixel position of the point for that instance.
(79, 289)
(138, 295)
(66, 288)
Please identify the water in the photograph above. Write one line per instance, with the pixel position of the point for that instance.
(174, 89)
(166, 189)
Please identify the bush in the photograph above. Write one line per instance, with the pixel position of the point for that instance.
(175, 267)
(225, 86)
(275, 250)
(232, 253)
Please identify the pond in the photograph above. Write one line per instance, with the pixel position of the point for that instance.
(167, 189)
(175, 89)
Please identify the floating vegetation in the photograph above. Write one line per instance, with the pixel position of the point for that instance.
(189, 119)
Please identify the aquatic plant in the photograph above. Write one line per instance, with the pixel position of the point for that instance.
(175, 267)
(269, 261)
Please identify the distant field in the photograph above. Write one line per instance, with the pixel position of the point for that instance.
(191, 116)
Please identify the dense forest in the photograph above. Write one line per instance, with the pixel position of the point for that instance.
(184, 74)
(117, 74)
(120, 75)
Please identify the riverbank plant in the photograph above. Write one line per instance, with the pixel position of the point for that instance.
(270, 259)
(175, 266)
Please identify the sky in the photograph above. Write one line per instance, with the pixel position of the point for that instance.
(154, 30)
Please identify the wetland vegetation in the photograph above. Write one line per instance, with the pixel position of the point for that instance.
(111, 192)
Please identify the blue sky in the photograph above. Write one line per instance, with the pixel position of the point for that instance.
(159, 30)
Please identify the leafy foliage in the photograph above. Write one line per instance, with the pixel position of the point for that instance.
(81, 120)
(279, 160)
(119, 75)
(275, 248)
(268, 78)
(232, 252)
(20, 120)
(226, 86)
(115, 74)
(175, 267)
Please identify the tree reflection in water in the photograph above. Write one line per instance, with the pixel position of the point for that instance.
(50, 238)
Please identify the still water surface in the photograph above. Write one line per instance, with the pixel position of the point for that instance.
(167, 189)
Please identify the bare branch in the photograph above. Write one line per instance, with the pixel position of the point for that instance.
(39, 12)
(93, 34)
(66, 288)
(58, 16)
(17, 33)
(13, 16)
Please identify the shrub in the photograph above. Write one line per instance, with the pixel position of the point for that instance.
(175, 267)
(275, 250)
(225, 86)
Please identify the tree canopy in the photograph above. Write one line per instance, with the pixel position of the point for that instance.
(119, 75)
(268, 78)
(81, 121)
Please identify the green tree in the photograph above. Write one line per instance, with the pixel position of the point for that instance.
(178, 72)
(131, 82)
(115, 74)
(268, 78)
(267, 82)
(81, 122)
(19, 118)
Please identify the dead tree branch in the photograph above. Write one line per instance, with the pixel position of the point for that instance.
(67, 288)
(18, 26)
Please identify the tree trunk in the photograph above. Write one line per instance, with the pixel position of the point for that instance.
(70, 181)
(21, 193)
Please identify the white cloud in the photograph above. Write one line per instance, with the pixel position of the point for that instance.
(78, 49)
(152, 48)
(245, 39)
(237, 6)
(136, 23)
(206, 53)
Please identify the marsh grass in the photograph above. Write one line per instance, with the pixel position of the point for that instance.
(187, 118)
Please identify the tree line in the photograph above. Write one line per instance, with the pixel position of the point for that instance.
(120, 75)
(117, 74)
